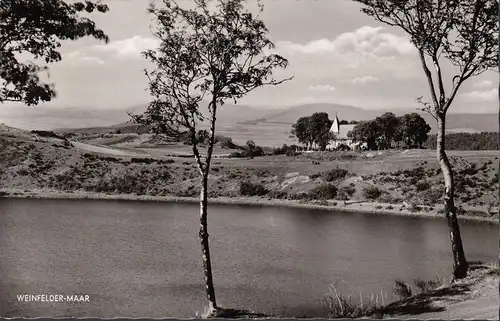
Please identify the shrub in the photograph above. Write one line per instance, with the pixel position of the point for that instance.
(345, 193)
(402, 290)
(422, 186)
(341, 306)
(278, 194)
(255, 152)
(337, 173)
(371, 192)
(249, 189)
(237, 155)
(424, 286)
(323, 191)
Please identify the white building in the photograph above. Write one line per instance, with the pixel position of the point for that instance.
(340, 132)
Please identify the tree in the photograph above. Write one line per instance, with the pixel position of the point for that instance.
(387, 124)
(320, 126)
(302, 131)
(463, 33)
(202, 136)
(36, 28)
(250, 144)
(366, 132)
(214, 51)
(413, 130)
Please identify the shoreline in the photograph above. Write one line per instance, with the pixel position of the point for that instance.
(352, 207)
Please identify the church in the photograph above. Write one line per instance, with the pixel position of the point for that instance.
(340, 133)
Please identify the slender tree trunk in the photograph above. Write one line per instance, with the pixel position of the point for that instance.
(460, 264)
(205, 250)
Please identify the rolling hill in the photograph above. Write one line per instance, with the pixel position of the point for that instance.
(230, 119)
(455, 122)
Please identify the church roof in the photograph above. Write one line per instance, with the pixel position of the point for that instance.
(343, 130)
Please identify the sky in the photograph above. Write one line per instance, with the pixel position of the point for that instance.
(336, 54)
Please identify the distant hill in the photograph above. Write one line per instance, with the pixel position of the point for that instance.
(292, 114)
(50, 118)
(234, 116)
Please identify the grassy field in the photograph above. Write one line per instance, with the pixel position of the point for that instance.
(115, 166)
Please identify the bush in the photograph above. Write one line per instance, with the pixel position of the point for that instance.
(278, 194)
(331, 175)
(422, 186)
(402, 290)
(371, 192)
(467, 141)
(249, 189)
(424, 286)
(286, 150)
(237, 155)
(323, 191)
(345, 193)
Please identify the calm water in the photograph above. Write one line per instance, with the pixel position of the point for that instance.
(138, 259)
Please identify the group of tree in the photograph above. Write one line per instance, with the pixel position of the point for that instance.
(389, 131)
(221, 53)
(467, 141)
(313, 131)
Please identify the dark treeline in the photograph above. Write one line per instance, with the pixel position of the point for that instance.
(467, 141)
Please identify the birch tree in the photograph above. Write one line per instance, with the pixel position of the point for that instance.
(463, 33)
(215, 52)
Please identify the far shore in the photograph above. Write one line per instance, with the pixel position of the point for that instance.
(349, 206)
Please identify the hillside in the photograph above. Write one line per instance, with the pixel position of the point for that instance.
(408, 180)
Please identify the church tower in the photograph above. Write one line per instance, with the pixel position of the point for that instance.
(335, 126)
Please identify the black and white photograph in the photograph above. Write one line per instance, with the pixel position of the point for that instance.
(253, 159)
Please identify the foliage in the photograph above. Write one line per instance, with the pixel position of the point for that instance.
(313, 129)
(424, 286)
(402, 289)
(387, 124)
(341, 306)
(35, 29)
(324, 191)
(345, 192)
(249, 189)
(286, 150)
(371, 192)
(387, 129)
(366, 132)
(466, 141)
(334, 174)
(412, 130)
(202, 136)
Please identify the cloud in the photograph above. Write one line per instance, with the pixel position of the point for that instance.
(322, 88)
(129, 47)
(365, 40)
(363, 80)
(484, 84)
(83, 58)
(488, 95)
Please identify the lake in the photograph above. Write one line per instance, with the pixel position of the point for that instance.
(143, 259)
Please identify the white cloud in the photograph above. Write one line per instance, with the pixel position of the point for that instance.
(484, 84)
(365, 40)
(488, 95)
(363, 80)
(129, 47)
(83, 58)
(322, 88)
